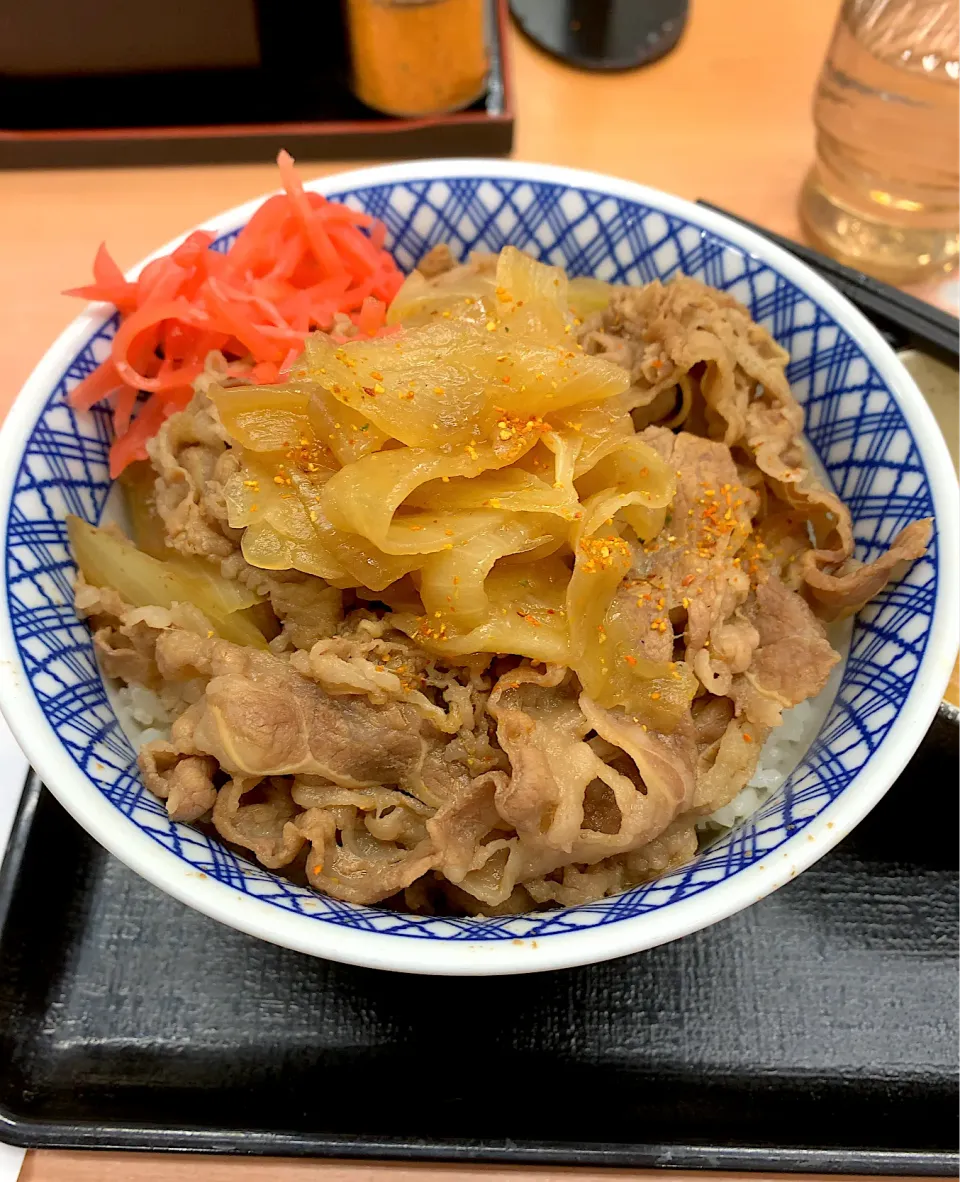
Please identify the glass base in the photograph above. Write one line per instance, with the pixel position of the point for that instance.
(897, 254)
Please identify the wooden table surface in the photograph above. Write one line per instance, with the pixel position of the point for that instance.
(725, 117)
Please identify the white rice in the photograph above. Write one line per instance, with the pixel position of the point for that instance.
(140, 712)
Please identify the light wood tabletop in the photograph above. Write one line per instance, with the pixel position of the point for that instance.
(130, 1167)
(725, 117)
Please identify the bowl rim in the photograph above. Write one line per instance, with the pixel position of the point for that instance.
(463, 957)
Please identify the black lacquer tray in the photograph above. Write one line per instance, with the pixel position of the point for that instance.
(298, 97)
(816, 1031)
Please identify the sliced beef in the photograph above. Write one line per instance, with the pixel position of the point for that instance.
(189, 454)
(265, 825)
(845, 592)
(185, 782)
(436, 261)
(689, 579)
(729, 377)
(793, 659)
(308, 609)
(725, 768)
(257, 717)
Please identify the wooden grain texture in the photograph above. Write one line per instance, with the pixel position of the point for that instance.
(725, 117)
(131, 1167)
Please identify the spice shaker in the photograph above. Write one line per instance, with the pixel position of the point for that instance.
(418, 57)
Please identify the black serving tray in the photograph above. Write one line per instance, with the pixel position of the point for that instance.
(298, 98)
(816, 1031)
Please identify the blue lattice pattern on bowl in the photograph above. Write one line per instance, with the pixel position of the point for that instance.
(854, 424)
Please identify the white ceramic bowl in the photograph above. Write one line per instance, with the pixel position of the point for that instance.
(866, 420)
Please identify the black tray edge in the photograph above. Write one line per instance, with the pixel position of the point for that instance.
(471, 133)
(16, 846)
(256, 1143)
(488, 136)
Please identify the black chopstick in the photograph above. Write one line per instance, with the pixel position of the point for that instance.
(903, 319)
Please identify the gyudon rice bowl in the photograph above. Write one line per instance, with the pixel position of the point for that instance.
(493, 611)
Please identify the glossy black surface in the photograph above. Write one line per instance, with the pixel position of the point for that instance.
(603, 34)
(816, 1030)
